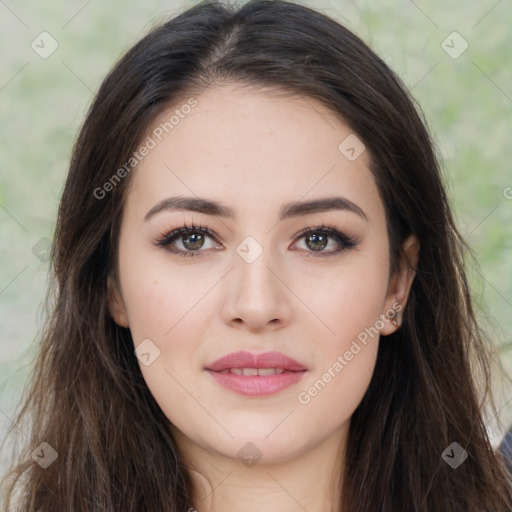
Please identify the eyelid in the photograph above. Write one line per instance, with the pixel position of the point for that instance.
(346, 241)
(166, 239)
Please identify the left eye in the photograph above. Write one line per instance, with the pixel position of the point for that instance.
(317, 239)
(192, 239)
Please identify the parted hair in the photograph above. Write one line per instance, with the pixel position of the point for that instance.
(86, 396)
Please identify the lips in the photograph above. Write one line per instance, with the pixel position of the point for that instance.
(252, 364)
(256, 375)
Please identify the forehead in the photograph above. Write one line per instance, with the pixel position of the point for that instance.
(253, 149)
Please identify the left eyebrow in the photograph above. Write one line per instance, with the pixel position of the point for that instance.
(287, 211)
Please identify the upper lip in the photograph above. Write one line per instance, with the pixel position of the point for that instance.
(243, 359)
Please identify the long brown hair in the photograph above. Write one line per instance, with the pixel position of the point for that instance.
(87, 398)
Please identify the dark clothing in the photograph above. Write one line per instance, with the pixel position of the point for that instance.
(505, 449)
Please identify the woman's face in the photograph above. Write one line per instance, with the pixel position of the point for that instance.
(253, 282)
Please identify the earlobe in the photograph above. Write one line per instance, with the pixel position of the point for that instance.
(116, 305)
(400, 286)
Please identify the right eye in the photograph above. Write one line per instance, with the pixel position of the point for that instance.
(191, 238)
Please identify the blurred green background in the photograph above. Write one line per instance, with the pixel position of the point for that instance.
(466, 100)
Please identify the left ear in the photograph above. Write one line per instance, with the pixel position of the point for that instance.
(400, 285)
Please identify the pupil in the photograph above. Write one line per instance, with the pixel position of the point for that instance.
(318, 238)
(195, 239)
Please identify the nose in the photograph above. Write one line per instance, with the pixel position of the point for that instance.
(257, 296)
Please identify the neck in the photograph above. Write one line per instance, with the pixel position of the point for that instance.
(307, 480)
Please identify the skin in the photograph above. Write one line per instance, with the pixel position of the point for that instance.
(254, 151)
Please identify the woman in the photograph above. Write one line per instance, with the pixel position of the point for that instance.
(260, 297)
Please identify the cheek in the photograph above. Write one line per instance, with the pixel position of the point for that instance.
(150, 307)
(335, 392)
(165, 308)
(348, 352)
(159, 310)
(155, 298)
(350, 304)
(161, 313)
(349, 299)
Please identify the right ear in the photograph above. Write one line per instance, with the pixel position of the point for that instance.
(116, 304)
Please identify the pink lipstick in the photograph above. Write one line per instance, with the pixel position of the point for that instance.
(256, 374)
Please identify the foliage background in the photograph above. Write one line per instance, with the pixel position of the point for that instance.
(466, 101)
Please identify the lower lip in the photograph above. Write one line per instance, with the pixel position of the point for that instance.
(257, 385)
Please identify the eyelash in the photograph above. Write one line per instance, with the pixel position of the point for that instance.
(346, 241)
